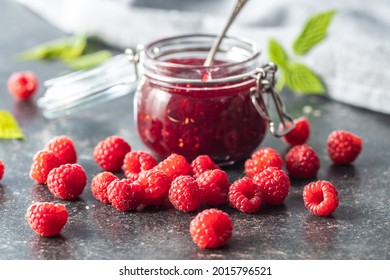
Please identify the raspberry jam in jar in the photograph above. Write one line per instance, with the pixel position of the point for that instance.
(184, 107)
(180, 105)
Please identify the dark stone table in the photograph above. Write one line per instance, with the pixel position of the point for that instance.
(359, 228)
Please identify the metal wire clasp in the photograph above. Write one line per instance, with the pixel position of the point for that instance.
(265, 82)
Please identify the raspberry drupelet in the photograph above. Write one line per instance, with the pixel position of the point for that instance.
(302, 162)
(274, 185)
(245, 196)
(47, 219)
(184, 193)
(63, 148)
(136, 162)
(155, 186)
(110, 153)
(211, 228)
(261, 159)
(100, 184)
(299, 134)
(2, 167)
(125, 194)
(23, 85)
(67, 181)
(214, 186)
(321, 198)
(343, 146)
(173, 166)
(201, 164)
(43, 163)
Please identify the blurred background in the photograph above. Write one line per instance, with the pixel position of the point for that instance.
(352, 60)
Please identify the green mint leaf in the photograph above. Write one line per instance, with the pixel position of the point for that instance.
(9, 128)
(313, 32)
(63, 48)
(300, 79)
(88, 60)
(277, 54)
(75, 48)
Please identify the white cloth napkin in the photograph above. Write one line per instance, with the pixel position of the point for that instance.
(353, 60)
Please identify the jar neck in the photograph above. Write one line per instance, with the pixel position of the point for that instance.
(179, 60)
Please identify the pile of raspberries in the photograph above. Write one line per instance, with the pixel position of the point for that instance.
(186, 185)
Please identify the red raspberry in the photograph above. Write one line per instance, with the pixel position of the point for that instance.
(274, 185)
(302, 162)
(2, 167)
(211, 228)
(110, 153)
(22, 85)
(259, 153)
(43, 163)
(261, 159)
(184, 193)
(201, 164)
(155, 187)
(245, 196)
(213, 186)
(343, 146)
(125, 194)
(299, 134)
(174, 166)
(63, 148)
(47, 219)
(135, 162)
(99, 185)
(320, 198)
(67, 181)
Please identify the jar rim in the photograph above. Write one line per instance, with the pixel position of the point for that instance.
(152, 54)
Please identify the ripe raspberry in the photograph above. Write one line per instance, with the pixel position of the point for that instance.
(274, 185)
(2, 167)
(47, 219)
(135, 162)
(110, 153)
(261, 159)
(155, 186)
(343, 146)
(259, 153)
(211, 228)
(125, 195)
(213, 186)
(43, 163)
(320, 198)
(201, 164)
(99, 185)
(245, 196)
(22, 85)
(184, 193)
(63, 148)
(174, 166)
(299, 134)
(67, 181)
(302, 162)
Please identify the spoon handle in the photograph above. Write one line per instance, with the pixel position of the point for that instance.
(218, 40)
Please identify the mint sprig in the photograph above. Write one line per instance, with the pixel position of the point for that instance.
(313, 32)
(73, 51)
(295, 75)
(9, 128)
(301, 79)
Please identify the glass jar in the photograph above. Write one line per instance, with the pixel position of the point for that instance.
(181, 106)
(184, 107)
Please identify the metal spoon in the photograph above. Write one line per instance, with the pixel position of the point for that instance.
(218, 40)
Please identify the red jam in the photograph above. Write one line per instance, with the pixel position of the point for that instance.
(199, 118)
